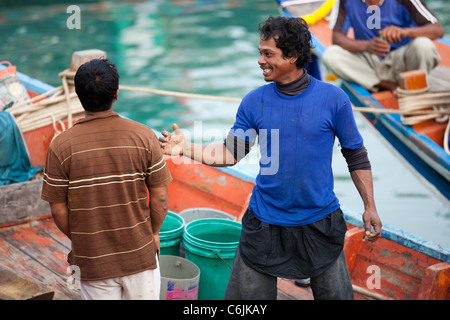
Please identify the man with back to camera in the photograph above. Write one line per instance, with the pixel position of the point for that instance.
(390, 37)
(96, 179)
(293, 227)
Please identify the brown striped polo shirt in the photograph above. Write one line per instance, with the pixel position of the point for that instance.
(101, 168)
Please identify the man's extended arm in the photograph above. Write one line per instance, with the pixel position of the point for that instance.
(364, 184)
(396, 34)
(376, 45)
(214, 154)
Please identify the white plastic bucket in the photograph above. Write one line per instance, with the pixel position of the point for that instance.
(192, 214)
(179, 278)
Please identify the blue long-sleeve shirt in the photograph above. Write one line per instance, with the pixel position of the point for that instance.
(296, 135)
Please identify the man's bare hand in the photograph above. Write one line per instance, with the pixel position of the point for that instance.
(378, 46)
(393, 34)
(157, 243)
(371, 219)
(172, 143)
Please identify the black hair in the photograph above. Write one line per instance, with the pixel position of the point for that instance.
(96, 83)
(291, 36)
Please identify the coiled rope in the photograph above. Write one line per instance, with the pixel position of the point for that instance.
(436, 102)
(52, 107)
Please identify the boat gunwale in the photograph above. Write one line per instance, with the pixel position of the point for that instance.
(431, 154)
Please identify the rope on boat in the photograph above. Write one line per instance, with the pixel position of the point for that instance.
(436, 102)
(60, 104)
(52, 107)
(179, 94)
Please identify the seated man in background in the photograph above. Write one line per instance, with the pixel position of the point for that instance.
(390, 37)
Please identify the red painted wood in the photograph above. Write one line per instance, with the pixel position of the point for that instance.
(33, 251)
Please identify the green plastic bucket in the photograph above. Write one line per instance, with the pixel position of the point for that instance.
(171, 234)
(192, 214)
(211, 245)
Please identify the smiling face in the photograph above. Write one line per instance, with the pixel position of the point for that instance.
(276, 67)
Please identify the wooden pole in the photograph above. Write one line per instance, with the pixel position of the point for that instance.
(80, 57)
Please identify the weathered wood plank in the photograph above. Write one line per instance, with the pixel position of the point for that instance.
(32, 251)
(38, 244)
(21, 202)
(14, 286)
(15, 259)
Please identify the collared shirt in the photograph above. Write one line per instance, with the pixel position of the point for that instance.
(101, 168)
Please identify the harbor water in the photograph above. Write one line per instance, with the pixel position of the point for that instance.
(205, 47)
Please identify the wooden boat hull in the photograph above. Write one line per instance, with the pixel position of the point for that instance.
(398, 266)
(420, 145)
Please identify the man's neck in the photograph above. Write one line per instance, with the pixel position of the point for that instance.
(295, 87)
(373, 2)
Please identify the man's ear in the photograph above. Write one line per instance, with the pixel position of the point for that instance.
(293, 57)
(116, 95)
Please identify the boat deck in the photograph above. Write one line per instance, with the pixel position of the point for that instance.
(37, 251)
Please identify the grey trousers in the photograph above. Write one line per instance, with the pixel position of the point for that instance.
(248, 284)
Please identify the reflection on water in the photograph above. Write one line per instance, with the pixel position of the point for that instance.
(206, 47)
(442, 11)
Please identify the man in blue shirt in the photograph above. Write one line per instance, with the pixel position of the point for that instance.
(293, 227)
(390, 37)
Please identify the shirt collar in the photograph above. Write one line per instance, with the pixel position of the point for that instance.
(98, 115)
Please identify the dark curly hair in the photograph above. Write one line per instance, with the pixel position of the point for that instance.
(96, 83)
(291, 36)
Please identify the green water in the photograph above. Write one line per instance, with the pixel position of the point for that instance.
(441, 9)
(220, 237)
(206, 47)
